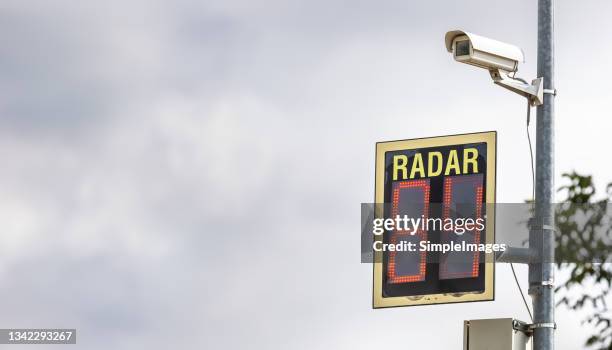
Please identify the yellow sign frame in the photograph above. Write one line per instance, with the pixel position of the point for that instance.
(490, 138)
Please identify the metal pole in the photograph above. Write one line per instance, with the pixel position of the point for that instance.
(541, 235)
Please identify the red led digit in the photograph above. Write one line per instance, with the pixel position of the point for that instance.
(405, 267)
(461, 194)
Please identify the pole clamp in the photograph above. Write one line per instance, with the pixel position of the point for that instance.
(549, 283)
(547, 227)
(550, 91)
(542, 325)
(533, 225)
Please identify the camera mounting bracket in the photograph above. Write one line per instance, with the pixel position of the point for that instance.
(534, 91)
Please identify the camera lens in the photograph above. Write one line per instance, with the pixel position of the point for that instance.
(462, 48)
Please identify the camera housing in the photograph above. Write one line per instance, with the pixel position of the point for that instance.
(499, 58)
(483, 52)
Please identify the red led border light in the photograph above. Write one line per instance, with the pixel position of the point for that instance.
(448, 186)
(476, 260)
(391, 273)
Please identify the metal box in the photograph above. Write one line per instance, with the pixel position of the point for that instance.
(496, 334)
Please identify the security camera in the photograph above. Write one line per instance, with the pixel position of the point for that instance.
(499, 58)
(483, 52)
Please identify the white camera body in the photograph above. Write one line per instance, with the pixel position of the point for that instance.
(483, 52)
(499, 58)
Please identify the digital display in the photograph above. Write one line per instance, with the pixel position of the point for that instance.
(444, 189)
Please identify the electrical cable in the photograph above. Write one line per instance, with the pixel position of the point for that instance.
(521, 291)
(532, 191)
(533, 198)
(530, 154)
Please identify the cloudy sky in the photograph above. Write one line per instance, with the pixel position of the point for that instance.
(188, 174)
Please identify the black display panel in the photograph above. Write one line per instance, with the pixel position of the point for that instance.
(447, 182)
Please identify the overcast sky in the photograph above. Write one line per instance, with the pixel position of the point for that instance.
(188, 174)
